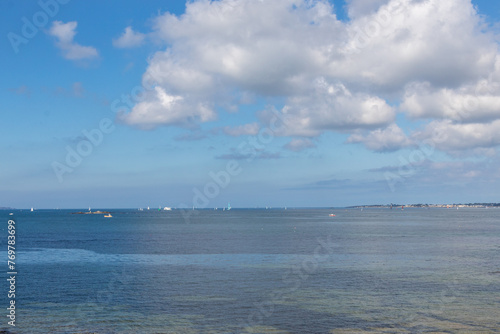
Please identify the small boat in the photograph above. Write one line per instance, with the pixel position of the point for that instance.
(108, 215)
(167, 208)
(331, 215)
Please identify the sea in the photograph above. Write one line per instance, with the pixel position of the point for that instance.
(301, 271)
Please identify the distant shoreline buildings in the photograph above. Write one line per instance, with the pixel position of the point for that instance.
(468, 205)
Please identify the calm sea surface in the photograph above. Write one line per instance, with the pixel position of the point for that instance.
(255, 271)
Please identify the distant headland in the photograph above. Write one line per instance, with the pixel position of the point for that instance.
(468, 205)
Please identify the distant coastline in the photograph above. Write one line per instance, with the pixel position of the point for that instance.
(373, 206)
(468, 205)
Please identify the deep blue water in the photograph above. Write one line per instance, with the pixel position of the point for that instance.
(256, 271)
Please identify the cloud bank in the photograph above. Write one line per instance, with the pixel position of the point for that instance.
(434, 61)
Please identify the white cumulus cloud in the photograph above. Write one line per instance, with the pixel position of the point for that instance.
(433, 60)
(160, 107)
(65, 34)
(129, 39)
(436, 41)
(477, 102)
(450, 136)
(333, 107)
(388, 139)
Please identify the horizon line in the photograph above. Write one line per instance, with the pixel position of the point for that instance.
(415, 205)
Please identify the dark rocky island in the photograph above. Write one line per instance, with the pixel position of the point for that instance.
(91, 213)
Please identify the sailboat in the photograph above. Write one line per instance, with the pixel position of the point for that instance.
(31, 209)
(228, 206)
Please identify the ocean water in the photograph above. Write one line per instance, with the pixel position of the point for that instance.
(256, 271)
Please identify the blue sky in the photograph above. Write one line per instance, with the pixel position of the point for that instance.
(253, 102)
